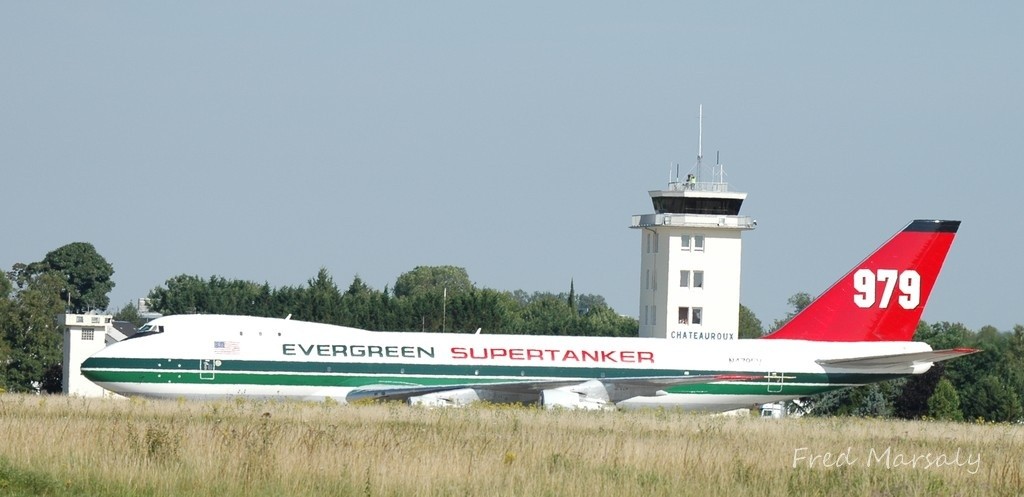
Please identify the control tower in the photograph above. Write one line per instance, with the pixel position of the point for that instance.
(690, 254)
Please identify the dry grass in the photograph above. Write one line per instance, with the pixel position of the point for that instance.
(71, 446)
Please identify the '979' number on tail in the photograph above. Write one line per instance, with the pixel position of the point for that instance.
(866, 283)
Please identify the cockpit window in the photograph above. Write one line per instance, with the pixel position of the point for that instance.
(146, 331)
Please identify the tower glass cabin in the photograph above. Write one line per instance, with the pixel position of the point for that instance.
(690, 255)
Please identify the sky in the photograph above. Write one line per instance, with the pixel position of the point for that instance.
(264, 140)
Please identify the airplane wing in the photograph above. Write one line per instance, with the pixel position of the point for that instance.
(894, 360)
(653, 383)
(660, 382)
(649, 383)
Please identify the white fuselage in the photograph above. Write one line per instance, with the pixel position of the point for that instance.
(224, 356)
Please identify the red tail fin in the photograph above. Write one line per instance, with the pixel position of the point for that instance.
(882, 298)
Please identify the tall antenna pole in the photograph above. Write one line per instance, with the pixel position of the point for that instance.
(700, 140)
(700, 133)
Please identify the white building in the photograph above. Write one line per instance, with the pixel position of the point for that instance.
(690, 252)
(84, 335)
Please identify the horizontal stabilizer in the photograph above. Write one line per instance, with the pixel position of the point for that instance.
(894, 360)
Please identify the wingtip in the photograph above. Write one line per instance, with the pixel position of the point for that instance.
(964, 350)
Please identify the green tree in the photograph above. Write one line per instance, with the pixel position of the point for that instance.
(874, 399)
(522, 297)
(283, 301)
(750, 326)
(588, 301)
(992, 400)
(799, 302)
(942, 335)
(912, 401)
(432, 279)
(601, 320)
(944, 404)
(130, 313)
(6, 287)
(489, 310)
(357, 304)
(425, 311)
(1015, 346)
(571, 300)
(364, 307)
(967, 373)
(182, 294)
(224, 296)
(322, 300)
(33, 335)
(1014, 360)
(547, 314)
(85, 272)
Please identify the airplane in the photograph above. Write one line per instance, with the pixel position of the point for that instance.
(857, 332)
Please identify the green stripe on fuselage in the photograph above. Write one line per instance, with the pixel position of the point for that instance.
(337, 374)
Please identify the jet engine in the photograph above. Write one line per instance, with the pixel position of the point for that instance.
(921, 368)
(451, 398)
(566, 399)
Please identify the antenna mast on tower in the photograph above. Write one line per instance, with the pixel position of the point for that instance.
(700, 138)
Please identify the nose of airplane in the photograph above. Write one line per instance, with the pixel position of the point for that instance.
(93, 366)
(89, 366)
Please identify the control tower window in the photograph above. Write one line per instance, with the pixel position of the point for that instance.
(684, 242)
(684, 279)
(698, 279)
(698, 243)
(684, 314)
(698, 315)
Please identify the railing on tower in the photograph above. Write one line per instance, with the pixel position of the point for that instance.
(699, 186)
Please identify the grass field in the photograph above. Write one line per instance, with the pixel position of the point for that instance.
(63, 446)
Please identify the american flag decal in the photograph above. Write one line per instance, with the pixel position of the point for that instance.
(220, 347)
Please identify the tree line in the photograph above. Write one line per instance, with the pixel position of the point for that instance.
(427, 298)
(985, 386)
